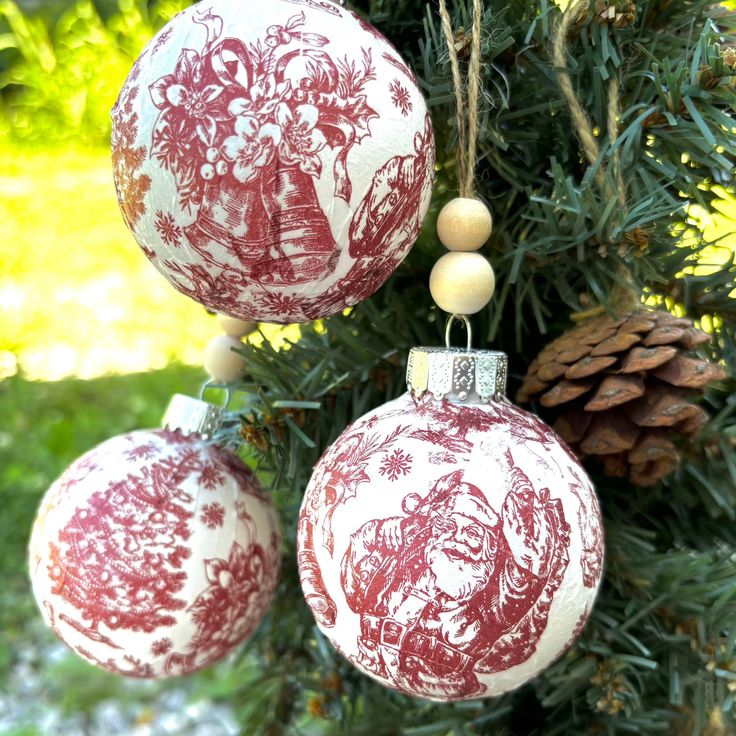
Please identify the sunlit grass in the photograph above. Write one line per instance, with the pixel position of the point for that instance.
(77, 295)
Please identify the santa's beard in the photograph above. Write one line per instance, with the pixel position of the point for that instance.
(456, 577)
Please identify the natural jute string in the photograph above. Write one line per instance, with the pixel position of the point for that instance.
(466, 110)
(580, 119)
(623, 297)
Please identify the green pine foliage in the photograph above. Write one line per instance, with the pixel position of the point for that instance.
(658, 654)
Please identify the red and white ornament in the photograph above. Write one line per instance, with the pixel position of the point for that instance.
(155, 554)
(450, 545)
(275, 159)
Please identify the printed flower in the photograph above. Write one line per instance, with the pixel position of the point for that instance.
(396, 464)
(302, 140)
(213, 515)
(161, 647)
(251, 148)
(263, 96)
(186, 90)
(233, 583)
(400, 97)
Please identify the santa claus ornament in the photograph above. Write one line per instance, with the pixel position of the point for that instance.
(450, 545)
(156, 553)
(275, 159)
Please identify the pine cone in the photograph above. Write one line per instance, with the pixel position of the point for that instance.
(622, 389)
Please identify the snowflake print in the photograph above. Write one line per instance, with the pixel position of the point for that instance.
(400, 97)
(281, 305)
(213, 515)
(161, 647)
(167, 228)
(396, 464)
(211, 477)
(142, 452)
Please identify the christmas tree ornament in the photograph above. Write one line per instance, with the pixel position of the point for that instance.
(156, 553)
(274, 160)
(623, 390)
(450, 544)
(222, 361)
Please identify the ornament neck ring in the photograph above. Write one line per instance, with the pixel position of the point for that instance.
(468, 328)
(213, 384)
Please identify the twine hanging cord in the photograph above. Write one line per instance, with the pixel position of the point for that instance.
(581, 121)
(623, 297)
(466, 109)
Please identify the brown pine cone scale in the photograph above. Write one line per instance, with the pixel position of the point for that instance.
(624, 390)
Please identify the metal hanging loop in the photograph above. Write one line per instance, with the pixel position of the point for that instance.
(207, 385)
(468, 328)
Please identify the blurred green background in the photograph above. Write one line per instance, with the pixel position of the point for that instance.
(92, 340)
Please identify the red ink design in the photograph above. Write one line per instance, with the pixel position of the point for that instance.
(211, 476)
(399, 64)
(243, 132)
(396, 464)
(443, 591)
(127, 157)
(162, 40)
(400, 97)
(458, 585)
(104, 564)
(591, 531)
(213, 515)
(349, 461)
(117, 568)
(449, 424)
(167, 228)
(228, 611)
(219, 138)
(161, 647)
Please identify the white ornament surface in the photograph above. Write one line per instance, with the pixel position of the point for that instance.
(154, 554)
(450, 551)
(274, 159)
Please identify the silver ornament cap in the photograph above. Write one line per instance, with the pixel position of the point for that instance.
(193, 416)
(464, 376)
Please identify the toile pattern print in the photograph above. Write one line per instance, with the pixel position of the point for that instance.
(154, 554)
(468, 573)
(269, 161)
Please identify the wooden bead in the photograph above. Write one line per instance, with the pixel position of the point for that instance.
(462, 283)
(224, 365)
(464, 224)
(235, 327)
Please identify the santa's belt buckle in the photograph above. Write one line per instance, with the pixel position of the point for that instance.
(392, 633)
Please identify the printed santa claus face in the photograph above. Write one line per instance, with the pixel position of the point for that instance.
(450, 551)
(461, 552)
